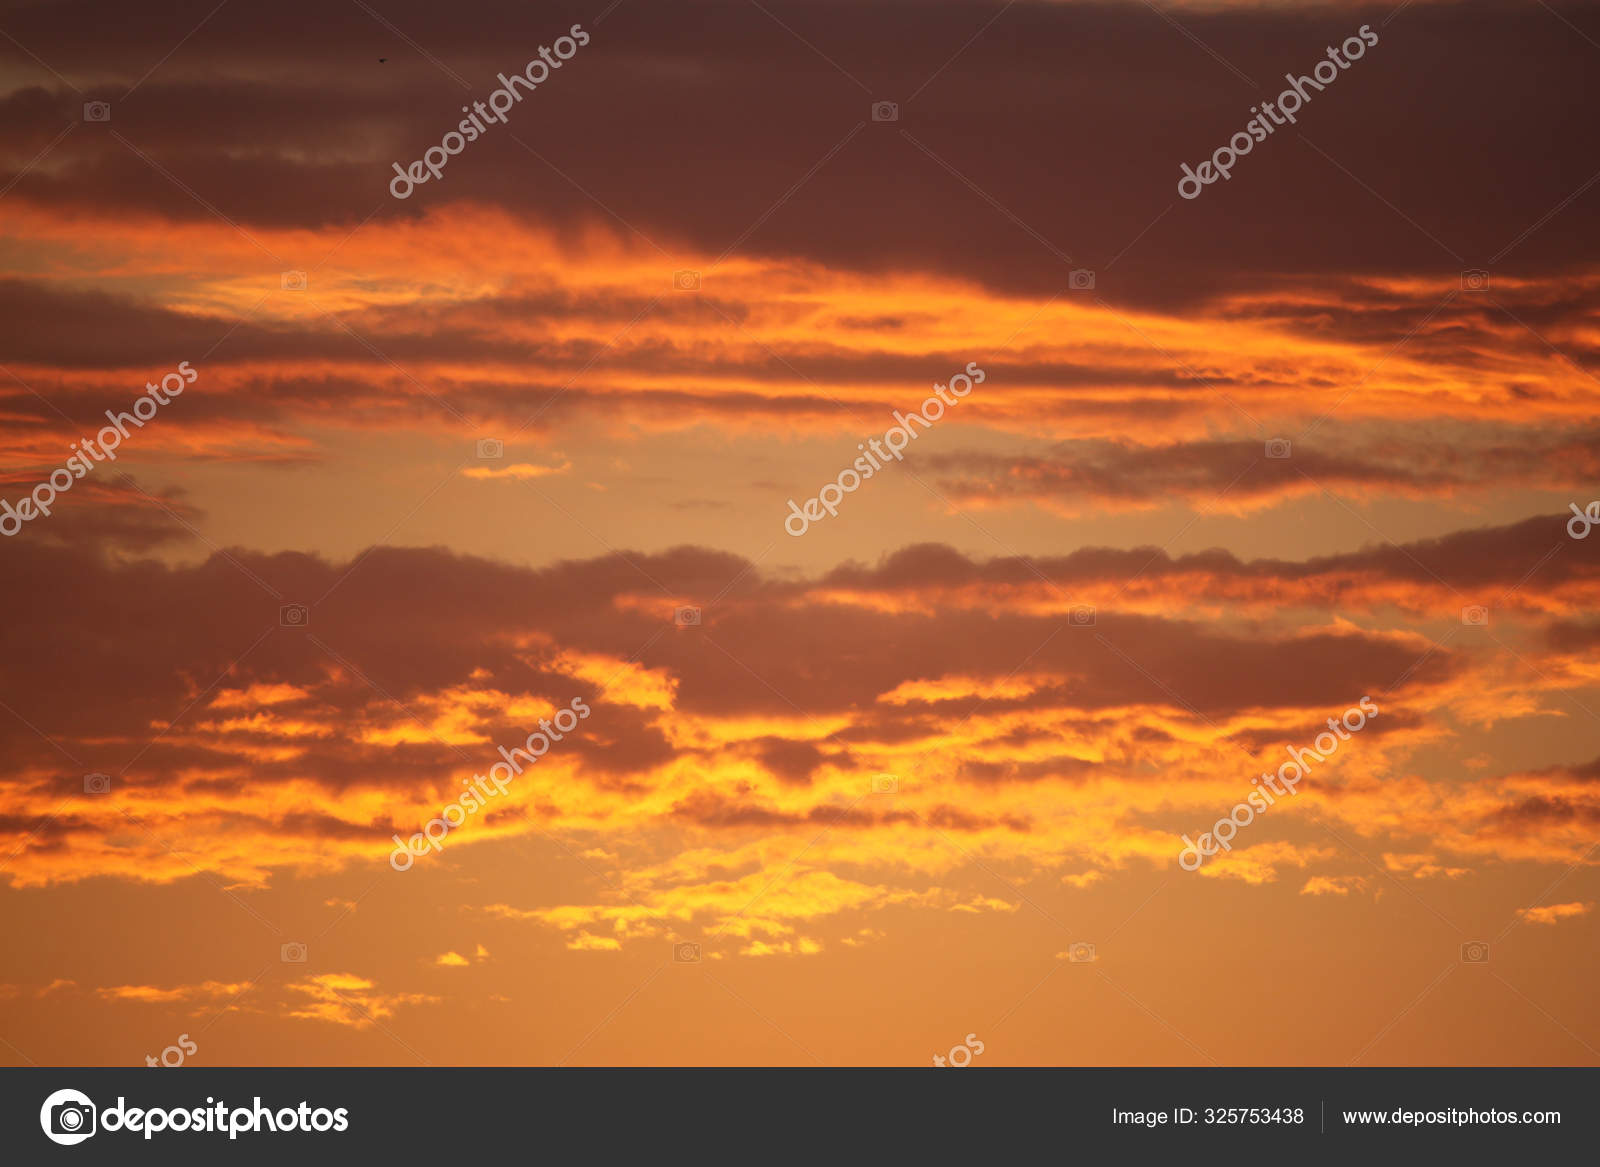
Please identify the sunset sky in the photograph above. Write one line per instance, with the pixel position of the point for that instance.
(450, 462)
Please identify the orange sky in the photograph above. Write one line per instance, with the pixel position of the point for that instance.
(903, 768)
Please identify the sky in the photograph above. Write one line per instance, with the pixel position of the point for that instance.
(473, 635)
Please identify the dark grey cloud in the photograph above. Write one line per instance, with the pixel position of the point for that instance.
(691, 121)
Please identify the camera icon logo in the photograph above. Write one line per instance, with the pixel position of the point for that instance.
(294, 616)
(1475, 952)
(293, 281)
(686, 280)
(293, 953)
(1080, 279)
(1277, 447)
(686, 953)
(489, 448)
(97, 783)
(1474, 279)
(1475, 615)
(885, 784)
(1082, 615)
(1081, 953)
(97, 111)
(67, 1117)
(686, 617)
(885, 111)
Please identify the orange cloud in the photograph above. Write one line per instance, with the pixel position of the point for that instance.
(350, 1000)
(1554, 913)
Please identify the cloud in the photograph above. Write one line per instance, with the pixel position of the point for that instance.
(1079, 476)
(157, 995)
(584, 941)
(324, 161)
(1424, 577)
(1033, 741)
(801, 946)
(1333, 885)
(1554, 913)
(517, 470)
(456, 960)
(349, 1000)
